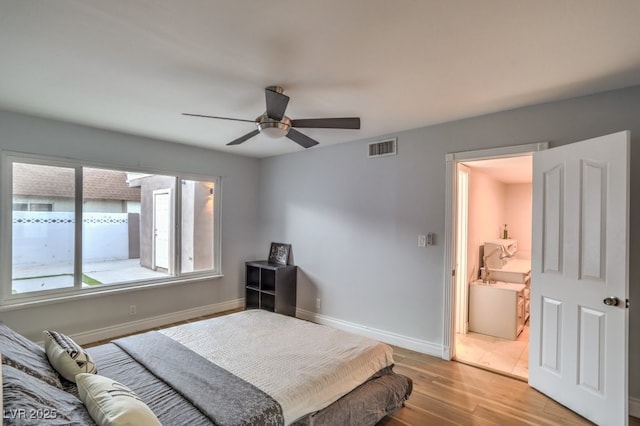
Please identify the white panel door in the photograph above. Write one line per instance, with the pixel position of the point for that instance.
(161, 229)
(578, 343)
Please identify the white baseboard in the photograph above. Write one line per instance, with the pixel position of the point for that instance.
(130, 327)
(384, 336)
(634, 407)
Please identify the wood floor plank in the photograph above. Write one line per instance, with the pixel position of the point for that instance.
(566, 416)
(520, 396)
(412, 415)
(502, 407)
(391, 421)
(466, 395)
(445, 410)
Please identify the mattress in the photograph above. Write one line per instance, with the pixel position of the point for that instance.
(303, 366)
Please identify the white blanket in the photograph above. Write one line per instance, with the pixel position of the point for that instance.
(302, 365)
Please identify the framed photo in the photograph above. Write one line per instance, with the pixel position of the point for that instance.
(279, 253)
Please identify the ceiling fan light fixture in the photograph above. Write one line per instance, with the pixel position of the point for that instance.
(272, 128)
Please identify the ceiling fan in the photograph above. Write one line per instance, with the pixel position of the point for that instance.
(275, 124)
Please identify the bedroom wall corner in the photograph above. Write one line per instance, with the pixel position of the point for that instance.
(239, 210)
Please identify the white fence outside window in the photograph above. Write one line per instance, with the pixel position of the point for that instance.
(44, 238)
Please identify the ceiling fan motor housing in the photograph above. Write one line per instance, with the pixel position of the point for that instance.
(273, 128)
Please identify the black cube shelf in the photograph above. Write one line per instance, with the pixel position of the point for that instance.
(271, 286)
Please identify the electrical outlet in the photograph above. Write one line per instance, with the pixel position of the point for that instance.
(318, 303)
(132, 309)
(422, 240)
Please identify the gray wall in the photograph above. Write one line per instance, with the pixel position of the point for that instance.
(239, 221)
(353, 222)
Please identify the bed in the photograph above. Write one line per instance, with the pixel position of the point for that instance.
(248, 368)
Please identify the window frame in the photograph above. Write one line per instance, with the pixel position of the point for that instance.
(7, 299)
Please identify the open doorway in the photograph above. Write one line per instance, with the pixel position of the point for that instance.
(493, 263)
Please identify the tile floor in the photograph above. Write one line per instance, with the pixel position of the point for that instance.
(510, 357)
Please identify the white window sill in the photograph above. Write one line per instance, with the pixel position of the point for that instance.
(16, 303)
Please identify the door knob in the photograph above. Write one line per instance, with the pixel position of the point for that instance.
(611, 301)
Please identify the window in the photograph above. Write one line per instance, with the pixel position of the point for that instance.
(78, 227)
(33, 207)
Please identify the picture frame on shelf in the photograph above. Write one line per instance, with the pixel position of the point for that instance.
(279, 253)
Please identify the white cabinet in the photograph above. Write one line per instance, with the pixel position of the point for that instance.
(497, 309)
(514, 271)
(499, 264)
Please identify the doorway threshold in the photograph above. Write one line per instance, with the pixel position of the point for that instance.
(503, 356)
(492, 370)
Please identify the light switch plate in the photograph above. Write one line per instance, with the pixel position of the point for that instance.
(422, 240)
(430, 236)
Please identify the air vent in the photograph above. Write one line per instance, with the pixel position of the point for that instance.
(382, 148)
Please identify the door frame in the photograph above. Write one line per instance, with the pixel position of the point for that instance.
(452, 159)
(461, 300)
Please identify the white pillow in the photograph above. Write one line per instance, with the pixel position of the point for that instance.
(112, 403)
(66, 356)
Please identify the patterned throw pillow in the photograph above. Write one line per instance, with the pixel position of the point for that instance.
(112, 403)
(66, 356)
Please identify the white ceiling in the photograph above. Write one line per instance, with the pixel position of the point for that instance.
(509, 170)
(135, 66)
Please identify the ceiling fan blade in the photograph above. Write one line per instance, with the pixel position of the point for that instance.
(220, 118)
(244, 138)
(328, 123)
(301, 139)
(276, 102)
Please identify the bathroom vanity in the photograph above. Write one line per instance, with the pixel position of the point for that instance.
(499, 304)
(497, 308)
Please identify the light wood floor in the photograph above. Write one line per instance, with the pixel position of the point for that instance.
(452, 393)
